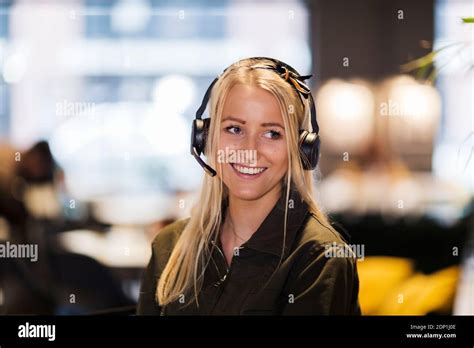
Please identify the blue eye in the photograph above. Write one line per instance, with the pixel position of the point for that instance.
(274, 134)
(232, 129)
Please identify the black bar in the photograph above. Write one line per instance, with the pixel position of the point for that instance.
(134, 330)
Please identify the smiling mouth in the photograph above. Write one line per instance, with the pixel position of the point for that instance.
(248, 171)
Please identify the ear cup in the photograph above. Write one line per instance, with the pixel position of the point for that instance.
(199, 133)
(309, 145)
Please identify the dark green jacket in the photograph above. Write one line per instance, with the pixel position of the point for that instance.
(314, 278)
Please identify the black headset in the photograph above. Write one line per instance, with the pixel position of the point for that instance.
(309, 142)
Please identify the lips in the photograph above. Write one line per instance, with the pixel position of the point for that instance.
(248, 172)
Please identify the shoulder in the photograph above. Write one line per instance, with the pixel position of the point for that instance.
(169, 235)
(318, 234)
(162, 246)
(323, 277)
(320, 241)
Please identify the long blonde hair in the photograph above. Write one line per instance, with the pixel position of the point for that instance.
(185, 268)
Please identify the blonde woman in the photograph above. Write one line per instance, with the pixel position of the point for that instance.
(256, 242)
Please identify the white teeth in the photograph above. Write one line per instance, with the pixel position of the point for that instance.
(247, 170)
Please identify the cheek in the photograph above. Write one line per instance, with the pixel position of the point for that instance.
(277, 154)
(226, 142)
(224, 145)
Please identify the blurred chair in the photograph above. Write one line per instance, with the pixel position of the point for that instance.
(389, 286)
(378, 275)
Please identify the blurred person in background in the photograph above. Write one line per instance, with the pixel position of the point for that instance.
(57, 281)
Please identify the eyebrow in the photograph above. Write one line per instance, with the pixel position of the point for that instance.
(265, 124)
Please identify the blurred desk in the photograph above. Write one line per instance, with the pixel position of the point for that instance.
(121, 247)
(125, 250)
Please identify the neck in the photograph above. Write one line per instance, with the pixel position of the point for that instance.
(245, 216)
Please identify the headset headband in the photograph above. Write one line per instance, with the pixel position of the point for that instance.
(284, 70)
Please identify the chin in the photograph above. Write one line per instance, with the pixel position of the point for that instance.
(246, 194)
(248, 191)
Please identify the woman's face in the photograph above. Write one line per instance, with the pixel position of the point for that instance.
(252, 146)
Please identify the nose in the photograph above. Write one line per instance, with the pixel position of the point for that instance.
(251, 144)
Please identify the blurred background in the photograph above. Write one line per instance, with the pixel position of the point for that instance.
(96, 103)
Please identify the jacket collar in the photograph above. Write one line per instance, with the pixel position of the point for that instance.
(269, 236)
